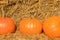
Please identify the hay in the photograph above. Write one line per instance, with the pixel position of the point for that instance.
(19, 9)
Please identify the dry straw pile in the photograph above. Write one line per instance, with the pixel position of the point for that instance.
(18, 9)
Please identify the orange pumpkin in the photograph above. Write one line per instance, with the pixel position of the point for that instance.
(7, 25)
(30, 26)
(51, 27)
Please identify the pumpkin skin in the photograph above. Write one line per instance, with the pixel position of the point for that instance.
(7, 26)
(30, 26)
(51, 27)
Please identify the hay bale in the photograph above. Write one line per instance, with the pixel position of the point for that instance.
(19, 9)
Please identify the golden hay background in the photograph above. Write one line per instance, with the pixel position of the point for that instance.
(19, 9)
